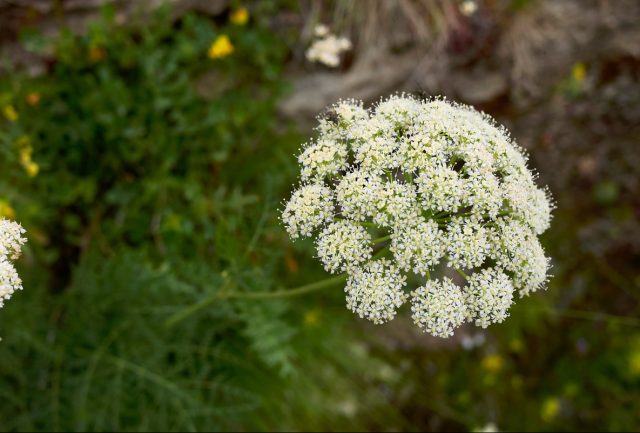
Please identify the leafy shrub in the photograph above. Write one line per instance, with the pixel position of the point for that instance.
(133, 163)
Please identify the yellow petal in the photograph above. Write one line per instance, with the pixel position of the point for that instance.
(240, 16)
(32, 169)
(550, 409)
(579, 71)
(10, 113)
(492, 363)
(221, 47)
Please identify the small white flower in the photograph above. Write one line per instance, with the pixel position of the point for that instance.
(375, 291)
(321, 30)
(438, 307)
(309, 207)
(468, 7)
(488, 296)
(11, 242)
(516, 248)
(343, 245)
(327, 48)
(9, 280)
(485, 195)
(396, 205)
(418, 247)
(467, 243)
(400, 111)
(11, 239)
(376, 154)
(441, 189)
(324, 158)
(358, 194)
(527, 201)
(351, 111)
(510, 158)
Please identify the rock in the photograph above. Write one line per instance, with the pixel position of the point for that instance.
(373, 75)
(479, 87)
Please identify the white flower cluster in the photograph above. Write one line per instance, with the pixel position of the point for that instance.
(431, 185)
(327, 47)
(11, 242)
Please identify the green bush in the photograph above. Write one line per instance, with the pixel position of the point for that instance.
(142, 202)
(130, 150)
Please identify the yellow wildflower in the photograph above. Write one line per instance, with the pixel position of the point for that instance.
(550, 409)
(221, 47)
(25, 155)
(26, 151)
(240, 16)
(32, 169)
(6, 211)
(492, 363)
(10, 113)
(579, 71)
(33, 99)
(311, 318)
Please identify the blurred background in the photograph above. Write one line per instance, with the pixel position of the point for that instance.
(147, 146)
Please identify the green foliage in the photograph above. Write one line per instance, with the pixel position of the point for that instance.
(147, 153)
(156, 376)
(160, 176)
(127, 142)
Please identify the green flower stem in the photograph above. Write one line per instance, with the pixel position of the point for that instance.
(380, 253)
(442, 214)
(462, 274)
(224, 294)
(408, 178)
(192, 309)
(285, 293)
(369, 224)
(382, 239)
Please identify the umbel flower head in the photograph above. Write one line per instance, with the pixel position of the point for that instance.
(422, 191)
(11, 242)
